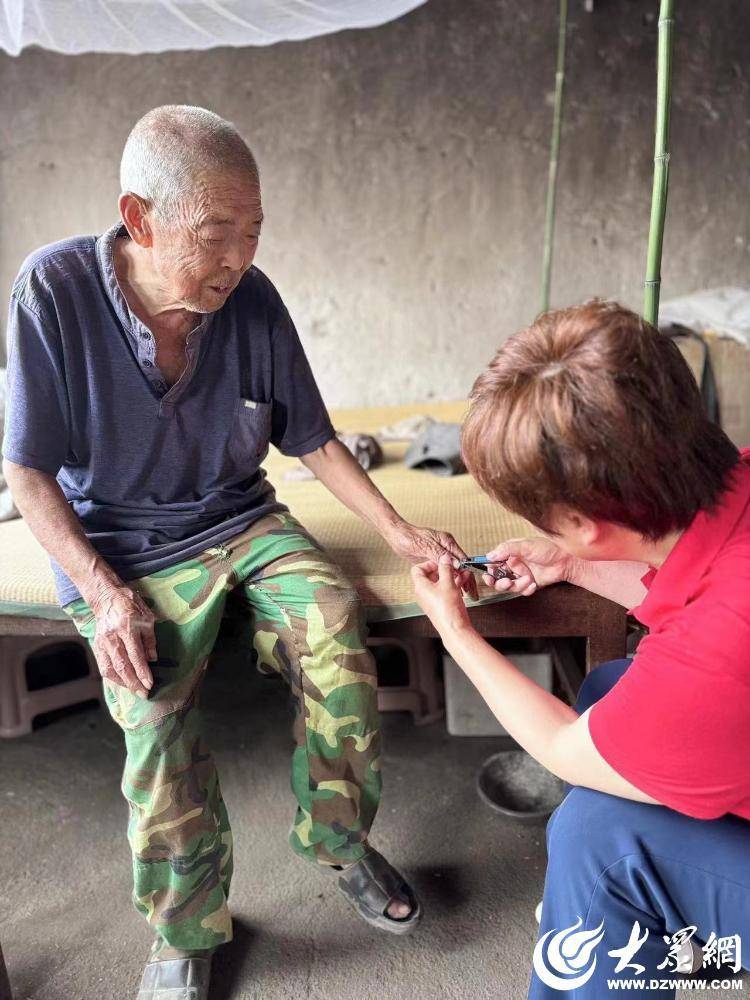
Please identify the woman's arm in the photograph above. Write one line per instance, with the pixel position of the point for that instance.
(547, 728)
(539, 562)
(617, 581)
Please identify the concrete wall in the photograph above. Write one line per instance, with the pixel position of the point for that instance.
(405, 167)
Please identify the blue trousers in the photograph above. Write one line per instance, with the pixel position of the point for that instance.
(614, 862)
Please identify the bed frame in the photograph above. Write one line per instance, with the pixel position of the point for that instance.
(556, 613)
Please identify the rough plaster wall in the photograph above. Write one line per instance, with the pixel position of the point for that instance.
(404, 170)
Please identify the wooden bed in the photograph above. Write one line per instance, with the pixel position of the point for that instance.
(31, 618)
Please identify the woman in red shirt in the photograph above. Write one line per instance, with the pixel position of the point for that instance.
(590, 425)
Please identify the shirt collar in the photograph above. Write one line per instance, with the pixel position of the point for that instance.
(105, 255)
(672, 585)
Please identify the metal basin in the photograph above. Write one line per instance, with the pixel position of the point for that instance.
(515, 785)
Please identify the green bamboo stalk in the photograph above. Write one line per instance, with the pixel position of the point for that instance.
(549, 222)
(661, 163)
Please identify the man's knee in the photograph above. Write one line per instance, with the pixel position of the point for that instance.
(599, 681)
(345, 596)
(340, 606)
(315, 579)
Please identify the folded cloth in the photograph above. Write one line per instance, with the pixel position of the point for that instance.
(364, 447)
(407, 429)
(437, 449)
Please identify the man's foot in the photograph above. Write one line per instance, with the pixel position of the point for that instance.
(176, 979)
(162, 952)
(379, 894)
(399, 909)
(174, 974)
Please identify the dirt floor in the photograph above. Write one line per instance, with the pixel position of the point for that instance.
(68, 929)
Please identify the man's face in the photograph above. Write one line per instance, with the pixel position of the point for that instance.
(202, 250)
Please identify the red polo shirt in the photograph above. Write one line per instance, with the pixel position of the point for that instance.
(677, 724)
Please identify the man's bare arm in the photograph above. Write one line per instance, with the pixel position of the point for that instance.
(125, 637)
(57, 529)
(339, 472)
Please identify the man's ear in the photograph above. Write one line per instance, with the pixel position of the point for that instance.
(134, 214)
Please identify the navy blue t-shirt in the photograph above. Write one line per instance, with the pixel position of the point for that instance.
(154, 474)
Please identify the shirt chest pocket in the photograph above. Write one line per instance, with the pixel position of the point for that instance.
(250, 434)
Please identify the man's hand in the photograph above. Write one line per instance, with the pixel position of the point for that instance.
(427, 544)
(125, 639)
(537, 562)
(437, 586)
(341, 473)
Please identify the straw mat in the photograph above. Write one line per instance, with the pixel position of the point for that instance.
(453, 504)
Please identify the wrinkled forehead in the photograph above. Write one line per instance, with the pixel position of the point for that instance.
(222, 195)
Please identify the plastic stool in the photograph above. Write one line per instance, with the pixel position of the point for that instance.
(423, 694)
(18, 705)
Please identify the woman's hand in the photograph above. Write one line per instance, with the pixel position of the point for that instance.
(537, 562)
(438, 589)
(418, 544)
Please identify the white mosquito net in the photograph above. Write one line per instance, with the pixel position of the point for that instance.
(135, 26)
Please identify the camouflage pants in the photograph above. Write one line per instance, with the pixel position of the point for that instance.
(308, 626)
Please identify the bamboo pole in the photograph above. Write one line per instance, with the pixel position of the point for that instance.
(549, 222)
(661, 163)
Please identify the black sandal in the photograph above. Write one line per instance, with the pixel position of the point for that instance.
(371, 885)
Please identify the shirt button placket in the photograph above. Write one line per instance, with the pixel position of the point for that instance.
(146, 353)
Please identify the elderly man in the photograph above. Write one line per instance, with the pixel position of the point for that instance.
(149, 370)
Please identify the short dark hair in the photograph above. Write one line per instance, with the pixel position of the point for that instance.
(593, 408)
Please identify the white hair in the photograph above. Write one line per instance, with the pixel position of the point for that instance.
(171, 146)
